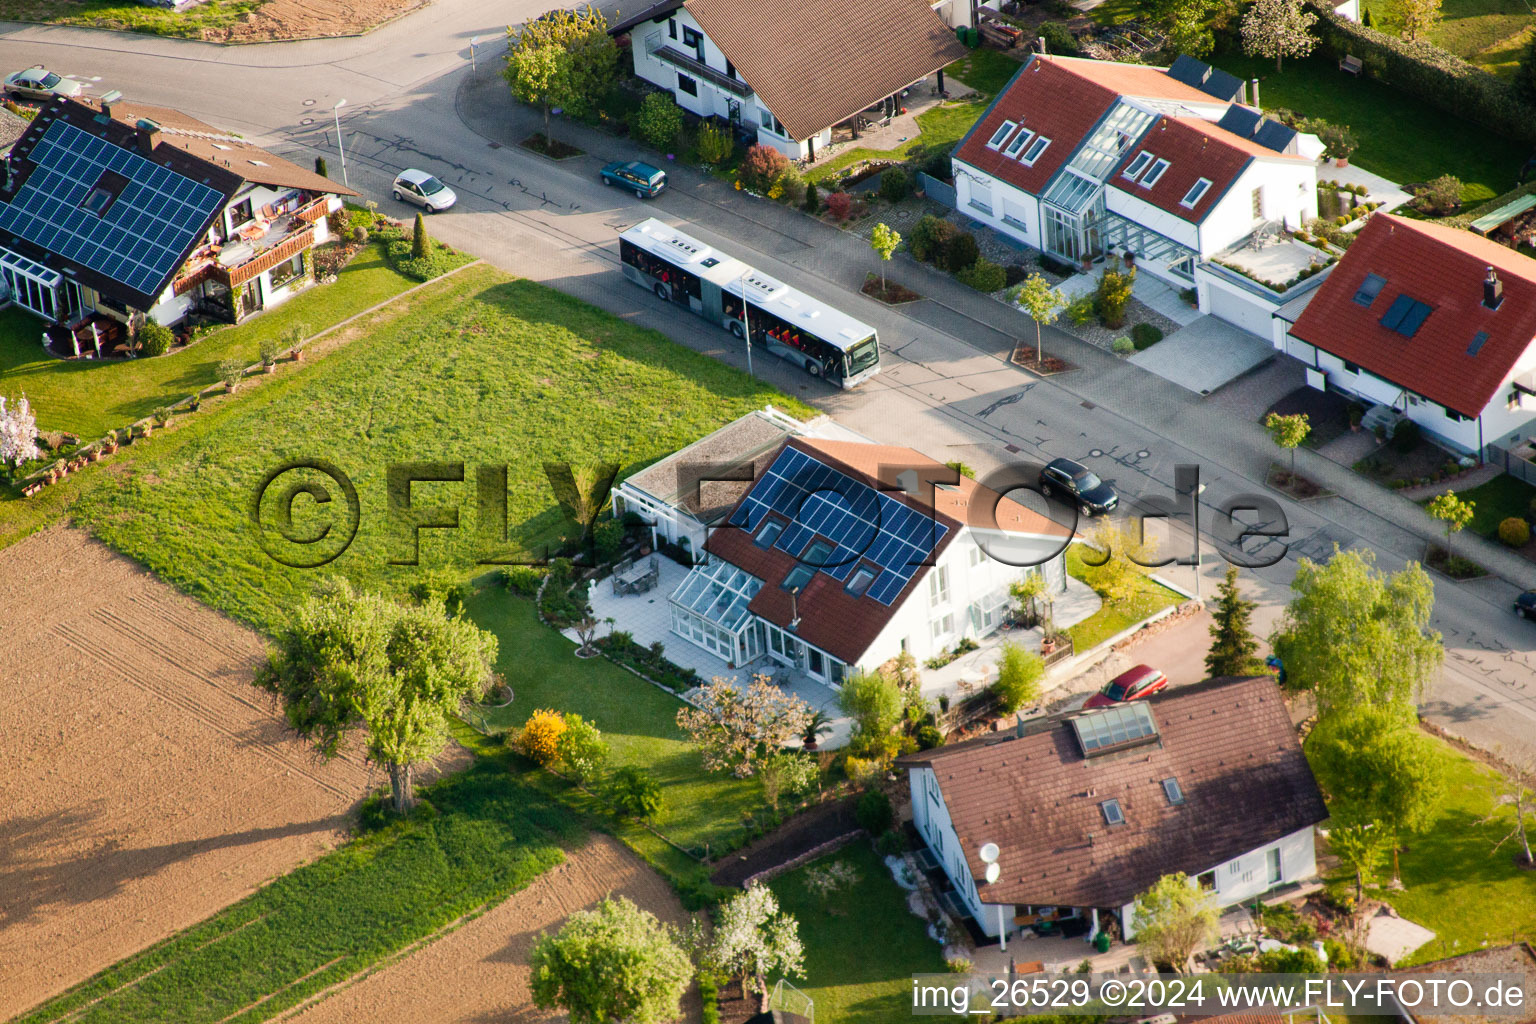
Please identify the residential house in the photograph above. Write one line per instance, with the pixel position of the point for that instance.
(789, 71)
(1084, 158)
(12, 127)
(1434, 321)
(840, 554)
(1080, 813)
(112, 212)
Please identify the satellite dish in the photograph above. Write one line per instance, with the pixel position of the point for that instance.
(990, 853)
(994, 872)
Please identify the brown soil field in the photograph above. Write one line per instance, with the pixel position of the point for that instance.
(478, 973)
(144, 783)
(308, 19)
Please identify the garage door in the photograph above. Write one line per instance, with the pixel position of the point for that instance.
(1251, 315)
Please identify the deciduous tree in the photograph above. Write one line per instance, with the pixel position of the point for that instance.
(826, 882)
(754, 938)
(884, 241)
(1355, 636)
(352, 662)
(1417, 17)
(1233, 647)
(786, 773)
(735, 729)
(614, 962)
(1043, 304)
(1121, 545)
(18, 432)
(1278, 29)
(593, 55)
(581, 747)
(874, 701)
(1288, 432)
(1019, 673)
(1516, 789)
(540, 75)
(1451, 510)
(1173, 919)
(1360, 848)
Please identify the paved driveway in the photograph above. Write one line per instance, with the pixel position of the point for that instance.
(1205, 355)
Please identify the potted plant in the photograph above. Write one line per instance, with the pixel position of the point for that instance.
(230, 372)
(269, 352)
(147, 429)
(818, 726)
(1356, 414)
(1048, 644)
(163, 416)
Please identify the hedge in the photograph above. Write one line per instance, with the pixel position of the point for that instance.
(1428, 73)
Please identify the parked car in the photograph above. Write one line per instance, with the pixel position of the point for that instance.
(1525, 605)
(1093, 496)
(38, 83)
(645, 181)
(1132, 684)
(421, 188)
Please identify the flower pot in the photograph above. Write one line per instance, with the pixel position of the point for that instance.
(269, 367)
(147, 429)
(298, 355)
(1048, 647)
(230, 388)
(93, 455)
(1342, 161)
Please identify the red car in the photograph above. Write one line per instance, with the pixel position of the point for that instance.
(1132, 684)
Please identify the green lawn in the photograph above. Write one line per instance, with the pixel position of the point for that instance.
(1113, 617)
(89, 398)
(1485, 32)
(986, 70)
(859, 963)
(326, 921)
(637, 719)
(1400, 138)
(212, 16)
(481, 369)
(942, 127)
(1497, 500)
(1455, 884)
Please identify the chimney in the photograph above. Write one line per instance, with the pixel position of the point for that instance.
(1042, 44)
(1256, 103)
(1493, 290)
(110, 100)
(148, 133)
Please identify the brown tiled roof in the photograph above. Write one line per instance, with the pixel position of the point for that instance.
(224, 149)
(1229, 743)
(1142, 80)
(1443, 267)
(12, 127)
(1517, 958)
(675, 480)
(815, 64)
(1194, 149)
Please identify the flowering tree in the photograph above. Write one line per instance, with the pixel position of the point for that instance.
(1278, 28)
(734, 728)
(18, 432)
(754, 938)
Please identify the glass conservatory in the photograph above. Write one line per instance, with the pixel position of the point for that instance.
(709, 608)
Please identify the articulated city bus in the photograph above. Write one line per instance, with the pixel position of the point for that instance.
(790, 324)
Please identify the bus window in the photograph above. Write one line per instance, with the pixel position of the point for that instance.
(863, 355)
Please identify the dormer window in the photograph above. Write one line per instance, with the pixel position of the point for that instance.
(1154, 174)
(1138, 164)
(1195, 193)
(1001, 135)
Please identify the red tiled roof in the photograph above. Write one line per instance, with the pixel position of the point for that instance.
(1443, 267)
(1144, 80)
(1049, 99)
(831, 618)
(1228, 742)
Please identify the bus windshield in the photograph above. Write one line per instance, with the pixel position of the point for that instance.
(863, 355)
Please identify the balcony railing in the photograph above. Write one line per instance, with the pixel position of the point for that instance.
(655, 47)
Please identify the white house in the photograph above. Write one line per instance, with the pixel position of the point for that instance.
(1434, 321)
(840, 554)
(1081, 813)
(789, 72)
(113, 211)
(1082, 158)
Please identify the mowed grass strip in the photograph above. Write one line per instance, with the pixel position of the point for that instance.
(191, 23)
(486, 370)
(480, 836)
(700, 809)
(90, 397)
(1113, 616)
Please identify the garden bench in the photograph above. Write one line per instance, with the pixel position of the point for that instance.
(1351, 64)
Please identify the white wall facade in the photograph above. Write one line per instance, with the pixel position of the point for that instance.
(997, 204)
(1287, 192)
(933, 823)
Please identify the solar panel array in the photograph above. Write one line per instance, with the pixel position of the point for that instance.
(865, 524)
(141, 238)
(1111, 728)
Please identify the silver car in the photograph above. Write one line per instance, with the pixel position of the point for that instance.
(38, 83)
(424, 190)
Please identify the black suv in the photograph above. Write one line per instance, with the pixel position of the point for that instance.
(1093, 496)
(1525, 605)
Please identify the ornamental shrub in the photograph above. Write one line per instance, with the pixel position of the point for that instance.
(522, 579)
(1443, 194)
(155, 338)
(894, 185)
(1058, 39)
(1080, 311)
(791, 186)
(959, 251)
(928, 235)
(715, 144)
(984, 276)
(812, 198)
(874, 813)
(540, 738)
(1114, 293)
(761, 167)
(1515, 532)
(659, 120)
(840, 205)
(1124, 346)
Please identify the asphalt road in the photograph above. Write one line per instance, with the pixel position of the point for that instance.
(414, 100)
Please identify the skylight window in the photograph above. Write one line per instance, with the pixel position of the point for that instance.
(859, 582)
(1001, 135)
(1035, 149)
(798, 577)
(1138, 165)
(1172, 791)
(1019, 142)
(1115, 728)
(1154, 174)
(1196, 192)
(1477, 343)
(768, 533)
(1370, 288)
(816, 553)
(1113, 815)
(97, 201)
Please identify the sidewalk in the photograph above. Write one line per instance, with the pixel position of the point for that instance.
(842, 258)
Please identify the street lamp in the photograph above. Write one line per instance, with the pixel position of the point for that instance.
(473, 68)
(746, 327)
(336, 112)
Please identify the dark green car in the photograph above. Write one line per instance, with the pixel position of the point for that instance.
(645, 181)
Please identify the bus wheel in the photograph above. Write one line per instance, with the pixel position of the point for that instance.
(661, 292)
(735, 329)
(813, 368)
